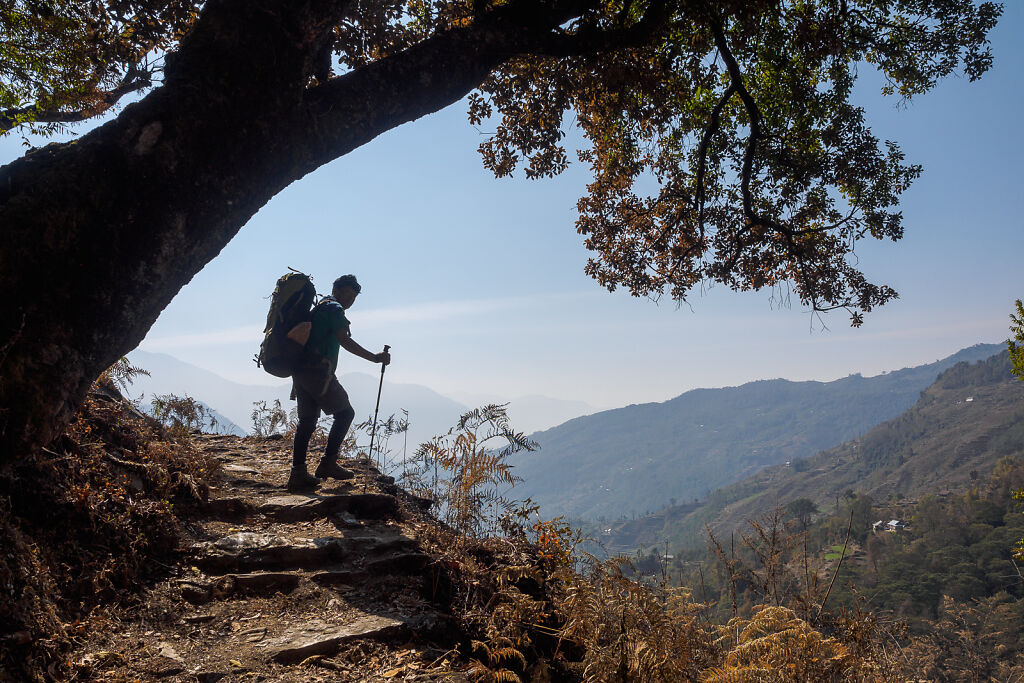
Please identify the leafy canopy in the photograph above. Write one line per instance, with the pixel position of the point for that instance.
(63, 61)
(739, 115)
(722, 138)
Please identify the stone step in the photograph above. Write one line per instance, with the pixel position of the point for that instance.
(199, 591)
(397, 563)
(247, 551)
(257, 485)
(295, 507)
(226, 642)
(402, 562)
(343, 576)
(228, 509)
(301, 507)
(319, 638)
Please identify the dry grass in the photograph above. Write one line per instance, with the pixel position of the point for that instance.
(87, 522)
(91, 520)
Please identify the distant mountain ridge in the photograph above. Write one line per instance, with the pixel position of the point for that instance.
(429, 412)
(635, 459)
(221, 424)
(532, 412)
(972, 416)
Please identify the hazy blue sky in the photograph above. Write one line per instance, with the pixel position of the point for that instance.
(478, 283)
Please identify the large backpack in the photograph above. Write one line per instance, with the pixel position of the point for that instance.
(281, 353)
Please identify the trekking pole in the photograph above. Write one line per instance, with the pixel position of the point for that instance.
(373, 428)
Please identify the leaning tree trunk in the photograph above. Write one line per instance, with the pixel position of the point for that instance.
(101, 233)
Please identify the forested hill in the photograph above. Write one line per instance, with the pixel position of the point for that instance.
(638, 458)
(972, 416)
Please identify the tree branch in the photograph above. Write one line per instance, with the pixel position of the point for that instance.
(421, 79)
(702, 152)
(736, 77)
(839, 565)
(698, 199)
(752, 217)
(589, 39)
(135, 79)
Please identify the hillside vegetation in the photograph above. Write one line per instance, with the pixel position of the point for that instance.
(633, 460)
(85, 523)
(945, 569)
(147, 554)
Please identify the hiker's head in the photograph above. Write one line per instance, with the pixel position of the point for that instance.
(346, 289)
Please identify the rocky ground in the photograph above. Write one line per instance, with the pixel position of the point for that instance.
(273, 586)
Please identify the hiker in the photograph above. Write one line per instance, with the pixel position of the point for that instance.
(316, 388)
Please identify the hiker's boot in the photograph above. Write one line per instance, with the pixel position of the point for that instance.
(332, 470)
(301, 480)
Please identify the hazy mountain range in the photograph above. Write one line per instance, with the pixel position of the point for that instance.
(626, 461)
(430, 413)
(533, 412)
(221, 424)
(635, 459)
(954, 434)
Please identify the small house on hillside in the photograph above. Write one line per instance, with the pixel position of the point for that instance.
(892, 525)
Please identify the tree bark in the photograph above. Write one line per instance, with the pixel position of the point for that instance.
(99, 234)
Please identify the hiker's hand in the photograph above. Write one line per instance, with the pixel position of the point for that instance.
(384, 358)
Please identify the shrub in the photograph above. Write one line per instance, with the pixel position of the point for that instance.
(182, 413)
(473, 458)
(87, 521)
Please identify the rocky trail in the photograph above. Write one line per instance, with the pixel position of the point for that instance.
(275, 586)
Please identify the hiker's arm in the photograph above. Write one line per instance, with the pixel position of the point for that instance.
(350, 345)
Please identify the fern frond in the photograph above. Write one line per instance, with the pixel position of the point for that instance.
(746, 675)
(479, 645)
(506, 654)
(506, 676)
(121, 374)
(508, 575)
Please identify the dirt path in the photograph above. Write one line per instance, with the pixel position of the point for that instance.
(283, 587)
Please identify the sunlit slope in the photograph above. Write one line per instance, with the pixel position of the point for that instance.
(972, 416)
(638, 458)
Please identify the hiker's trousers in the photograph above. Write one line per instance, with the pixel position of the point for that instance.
(315, 391)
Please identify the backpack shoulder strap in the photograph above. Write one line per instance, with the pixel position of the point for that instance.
(325, 300)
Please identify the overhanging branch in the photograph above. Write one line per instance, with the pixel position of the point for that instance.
(589, 39)
(134, 80)
(702, 151)
(422, 78)
(753, 113)
(753, 218)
